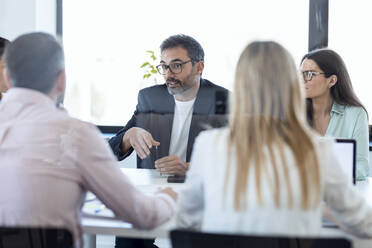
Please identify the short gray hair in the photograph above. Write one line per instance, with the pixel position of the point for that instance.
(193, 48)
(34, 61)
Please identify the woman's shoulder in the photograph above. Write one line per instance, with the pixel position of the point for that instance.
(324, 147)
(349, 114)
(215, 132)
(356, 115)
(322, 144)
(213, 135)
(323, 141)
(355, 111)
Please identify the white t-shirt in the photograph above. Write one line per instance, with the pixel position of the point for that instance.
(180, 129)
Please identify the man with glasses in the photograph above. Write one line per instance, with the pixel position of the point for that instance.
(168, 117)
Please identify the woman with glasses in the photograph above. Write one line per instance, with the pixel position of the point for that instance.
(333, 109)
(268, 172)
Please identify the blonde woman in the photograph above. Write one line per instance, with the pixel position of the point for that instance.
(267, 173)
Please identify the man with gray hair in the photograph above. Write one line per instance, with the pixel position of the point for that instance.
(171, 115)
(47, 156)
(168, 117)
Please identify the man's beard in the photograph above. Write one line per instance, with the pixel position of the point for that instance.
(178, 90)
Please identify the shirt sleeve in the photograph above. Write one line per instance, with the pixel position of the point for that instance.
(116, 141)
(361, 135)
(191, 199)
(101, 175)
(349, 206)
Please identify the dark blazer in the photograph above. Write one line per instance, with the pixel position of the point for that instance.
(154, 113)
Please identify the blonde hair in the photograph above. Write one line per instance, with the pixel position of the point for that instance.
(268, 110)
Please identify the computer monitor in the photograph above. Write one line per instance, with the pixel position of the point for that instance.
(345, 151)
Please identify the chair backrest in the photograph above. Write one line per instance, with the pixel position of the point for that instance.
(32, 237)
(188, 239)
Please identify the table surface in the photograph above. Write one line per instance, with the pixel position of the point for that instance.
(149, 181)
(104, 222)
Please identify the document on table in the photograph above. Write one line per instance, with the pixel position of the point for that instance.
(93, 207)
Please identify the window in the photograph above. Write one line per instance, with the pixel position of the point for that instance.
(106, 45)
(349, 35)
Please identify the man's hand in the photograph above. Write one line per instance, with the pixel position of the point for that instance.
(140, 140)
(171, 165)
(169, 191)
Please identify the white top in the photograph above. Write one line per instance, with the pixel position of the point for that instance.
(48, 162)
(180, 128)
(202, 204)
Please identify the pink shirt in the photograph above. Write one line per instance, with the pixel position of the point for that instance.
(48, 161)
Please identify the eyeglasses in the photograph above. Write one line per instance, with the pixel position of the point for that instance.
(175, 67)
(308, 75)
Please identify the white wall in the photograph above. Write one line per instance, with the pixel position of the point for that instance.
(23, 16)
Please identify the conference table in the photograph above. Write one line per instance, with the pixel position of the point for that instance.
(100, 221)
(104, 222)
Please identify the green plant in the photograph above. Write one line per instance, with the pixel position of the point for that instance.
(149, 67)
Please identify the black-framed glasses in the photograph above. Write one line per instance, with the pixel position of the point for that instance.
(308, 75)
(175, 67)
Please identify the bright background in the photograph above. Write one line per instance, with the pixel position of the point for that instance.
(106, 46)
(350, 24)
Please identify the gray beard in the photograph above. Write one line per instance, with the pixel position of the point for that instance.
(176, 91)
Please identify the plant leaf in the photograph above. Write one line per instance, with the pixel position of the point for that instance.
(153, 71)
(144, 64)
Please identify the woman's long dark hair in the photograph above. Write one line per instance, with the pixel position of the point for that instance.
(332, 64)
(3, 43)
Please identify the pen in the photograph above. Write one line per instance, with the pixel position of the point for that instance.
(100, 209)
(156, 157)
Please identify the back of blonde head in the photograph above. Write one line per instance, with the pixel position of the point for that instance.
(268, 110)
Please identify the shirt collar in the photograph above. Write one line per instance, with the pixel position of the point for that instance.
(337, 108)
(27, 96)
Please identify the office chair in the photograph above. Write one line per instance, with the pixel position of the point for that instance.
(188, 239)
(32, 237)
